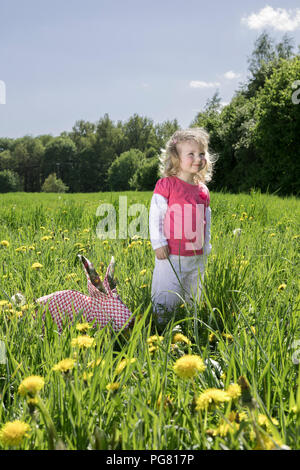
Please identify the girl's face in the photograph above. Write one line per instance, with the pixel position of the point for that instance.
(192, 159)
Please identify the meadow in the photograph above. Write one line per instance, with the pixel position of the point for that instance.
(222, 375)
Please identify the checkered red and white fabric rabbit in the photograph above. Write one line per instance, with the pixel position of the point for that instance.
(102, 306)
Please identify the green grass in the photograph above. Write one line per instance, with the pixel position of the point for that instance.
(248, 321)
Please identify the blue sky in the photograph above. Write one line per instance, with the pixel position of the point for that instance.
(65, 60)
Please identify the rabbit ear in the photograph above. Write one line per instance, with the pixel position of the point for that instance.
(92, 274)
(111, 268)
(110, 273)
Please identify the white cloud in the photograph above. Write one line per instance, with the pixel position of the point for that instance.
(230, 75)
(277, 18)
(199, 84)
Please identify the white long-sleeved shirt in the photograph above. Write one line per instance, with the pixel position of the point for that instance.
(158, 209)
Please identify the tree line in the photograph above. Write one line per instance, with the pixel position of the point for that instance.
(256, 138)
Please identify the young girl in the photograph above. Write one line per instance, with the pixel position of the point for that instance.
(179, 221)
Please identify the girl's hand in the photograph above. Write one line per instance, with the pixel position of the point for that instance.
(162, 252)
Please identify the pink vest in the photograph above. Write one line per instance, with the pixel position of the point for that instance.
(185, 220)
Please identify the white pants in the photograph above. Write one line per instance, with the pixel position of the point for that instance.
(185, 281)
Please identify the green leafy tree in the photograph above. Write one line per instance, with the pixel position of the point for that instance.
(164, 131)
(139, 133)
(27, 154)
(60, 158)
(81, 131)
(232, 140)
(6, 143)
(52, 184)
(122, 169)
(90, 167)
(264, 58)
(277, 136)
(7, 161)
(146, 175)
(108, 145)
(9, 181)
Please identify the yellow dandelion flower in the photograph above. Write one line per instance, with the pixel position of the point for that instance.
(180, 338)
(234, 391)
(212, 338)
(227, 336)
(86, 376)
(112, 387)
(83, 326)
(32, 401)
(36, 266)
(3, 303)
(121, 366)
(31, 385)
(65, 365)
(21, 249)
(82, 342)
(13, 432)
(4, 243)
(272, 234)
(154, 339)
(242, 416)
(152, 348)
(264, 421)
(143, 272)
(188, 366)
(78, 245)
(46, 238)
(281, 287)
(211, 397)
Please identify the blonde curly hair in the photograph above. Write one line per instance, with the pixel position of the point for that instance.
(170, 158)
